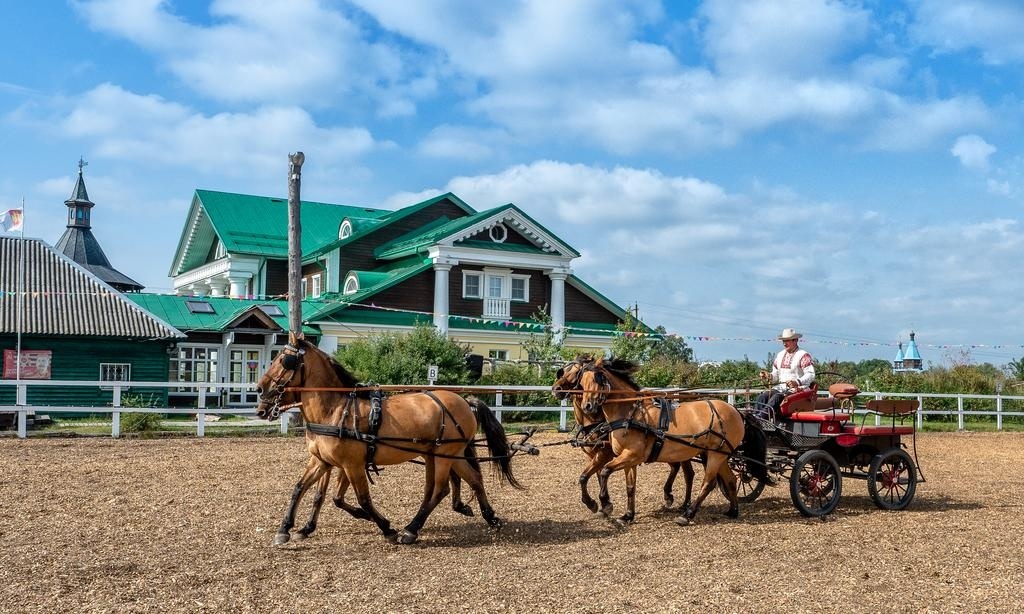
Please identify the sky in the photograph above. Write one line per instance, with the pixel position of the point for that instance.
(853, 170)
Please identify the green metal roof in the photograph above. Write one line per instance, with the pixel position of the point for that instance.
(392, 217)
(174, 310)
(259, 224)
(389, 276)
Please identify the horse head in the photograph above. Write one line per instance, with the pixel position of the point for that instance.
(286, 370)
(567, 378)
(599, 378)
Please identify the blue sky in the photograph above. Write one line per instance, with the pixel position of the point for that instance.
(851, 169)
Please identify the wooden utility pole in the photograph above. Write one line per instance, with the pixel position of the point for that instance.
(294, 245)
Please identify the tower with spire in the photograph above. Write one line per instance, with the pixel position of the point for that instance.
(79, 244)
(909, 359)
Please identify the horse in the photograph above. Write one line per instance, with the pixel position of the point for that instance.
(591, 439)
(290, 398)
(345, 429)
(710, 427)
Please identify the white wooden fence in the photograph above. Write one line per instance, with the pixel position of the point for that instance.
(22, 409)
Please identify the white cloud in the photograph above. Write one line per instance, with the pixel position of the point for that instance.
(128, 126)
(780, 37)
(910, 125)
(992, 26)
(973, 151)
(999, 188)
(253, 52)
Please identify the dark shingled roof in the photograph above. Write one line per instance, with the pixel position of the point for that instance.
(59, 297)
(80, 245)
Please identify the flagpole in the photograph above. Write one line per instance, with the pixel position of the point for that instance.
(21, 299)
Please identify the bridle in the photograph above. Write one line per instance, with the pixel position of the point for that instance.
(291, 361)
(575, 383)
(599, 397)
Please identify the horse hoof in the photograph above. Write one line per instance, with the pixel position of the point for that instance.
(682, 521)
(495, 523)
(463, 509)
(407, 537)
(618, 523)
(281, 539)
(734, 514)
(626, 519)
(591, 505)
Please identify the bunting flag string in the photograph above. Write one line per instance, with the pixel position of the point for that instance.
(532, 327)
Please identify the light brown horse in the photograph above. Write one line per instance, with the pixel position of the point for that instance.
(592, 439)
(438, 427)
(710, 427)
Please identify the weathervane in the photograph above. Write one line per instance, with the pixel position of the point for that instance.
(81, 164)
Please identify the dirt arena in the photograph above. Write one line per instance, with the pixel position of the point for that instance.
(185, 525)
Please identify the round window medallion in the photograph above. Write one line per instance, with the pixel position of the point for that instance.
(499, 233)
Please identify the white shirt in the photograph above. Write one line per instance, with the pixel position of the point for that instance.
(788, 366)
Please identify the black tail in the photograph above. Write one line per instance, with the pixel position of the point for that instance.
(755, 449)
(471, 457)
(497, 443)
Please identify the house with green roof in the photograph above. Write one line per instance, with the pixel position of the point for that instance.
(478, 276)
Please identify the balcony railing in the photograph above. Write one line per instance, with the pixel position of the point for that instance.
(497, 308)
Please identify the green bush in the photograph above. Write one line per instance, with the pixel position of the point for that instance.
(138, 422)
(403, 358)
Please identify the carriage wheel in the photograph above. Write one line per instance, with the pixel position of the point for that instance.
(892, 479)
(815, 484)
(748, 486)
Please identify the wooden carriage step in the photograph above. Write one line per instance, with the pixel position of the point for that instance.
(819, 416)
(881, 429)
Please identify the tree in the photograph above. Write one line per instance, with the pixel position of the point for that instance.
(545, 346)
(1015, 369)
(403, 358)
(672, 347)
(633, 342)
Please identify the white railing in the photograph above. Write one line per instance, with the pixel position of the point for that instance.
(497, 308)
(733, 396)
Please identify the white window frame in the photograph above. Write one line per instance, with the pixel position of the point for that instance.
(317, 285)
(479, 284)
(345, 230)
(110, 370)
(526, 288)
(351, 285)
(501, 355)
(302, 287)
(212, 364)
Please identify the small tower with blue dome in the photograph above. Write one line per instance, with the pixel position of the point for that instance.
(909, 359)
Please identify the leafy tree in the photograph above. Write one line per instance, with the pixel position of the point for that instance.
(403, 358)
(544, 346)
(672, 347)
(1015, 369)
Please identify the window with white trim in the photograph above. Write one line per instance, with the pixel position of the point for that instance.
(345, 230)
(195, 364)
(495, 286)
(351, 284)
(317, 285)
(497, 354)
(521, 288)
(302, 287)
(115, 372)
(471, 284)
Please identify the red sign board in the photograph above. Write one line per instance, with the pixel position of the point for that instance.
(35, 364)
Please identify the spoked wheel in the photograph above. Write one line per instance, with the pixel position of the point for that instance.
(815, 484)
(748, 486)
(892, 479)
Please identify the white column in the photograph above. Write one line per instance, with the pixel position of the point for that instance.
(558, 302)
(441, 296)
(239, 284)
(217, 286)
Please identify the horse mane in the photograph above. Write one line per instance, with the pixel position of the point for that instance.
(347, 379)
(622, 368)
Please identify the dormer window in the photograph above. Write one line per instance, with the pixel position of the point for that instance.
(351, 284)
(345, 230)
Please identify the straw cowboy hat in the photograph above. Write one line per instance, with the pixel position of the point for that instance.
(789, 333)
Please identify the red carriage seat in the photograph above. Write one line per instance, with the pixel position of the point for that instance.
(799, 401)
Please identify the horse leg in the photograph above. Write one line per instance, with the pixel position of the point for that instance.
(475, 480)
(728, 478)
(318, 501)
(357, 477)
(624, 461)
(435, 489)
(630, 496)
(688, 478)
(315, 468)
(457, 504)
(669, 482)
(712, 472)
(339, 499)
(597, 461)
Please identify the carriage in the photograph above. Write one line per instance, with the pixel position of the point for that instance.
(813, 443)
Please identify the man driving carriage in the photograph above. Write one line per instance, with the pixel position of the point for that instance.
(792, 371)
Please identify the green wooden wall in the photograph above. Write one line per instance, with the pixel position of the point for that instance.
(79, 358)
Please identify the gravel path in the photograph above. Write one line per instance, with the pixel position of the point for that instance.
(185, 525)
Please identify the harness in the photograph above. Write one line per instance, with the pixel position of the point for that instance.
(660, 433)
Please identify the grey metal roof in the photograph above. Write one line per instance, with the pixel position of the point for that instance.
(80, 245)
(60, 297)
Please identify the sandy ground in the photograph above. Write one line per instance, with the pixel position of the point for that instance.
(185, 525)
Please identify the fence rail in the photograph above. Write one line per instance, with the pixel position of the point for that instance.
(733, 396)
